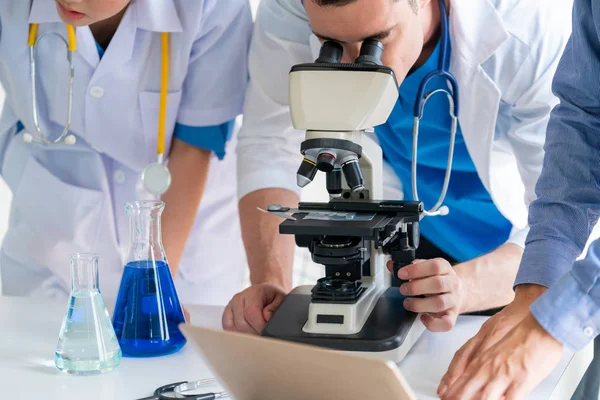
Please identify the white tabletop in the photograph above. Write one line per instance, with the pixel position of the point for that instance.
(29, 330)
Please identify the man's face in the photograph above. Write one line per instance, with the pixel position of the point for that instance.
(394, 23)
(87, 12)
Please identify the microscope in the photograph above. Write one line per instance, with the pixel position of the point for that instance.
(357, 306)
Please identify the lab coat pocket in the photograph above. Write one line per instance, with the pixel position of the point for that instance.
(52, 219)
(150, 107)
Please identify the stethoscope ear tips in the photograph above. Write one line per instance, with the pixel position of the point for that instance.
(27, 138)
(443, 210)
(70, 140)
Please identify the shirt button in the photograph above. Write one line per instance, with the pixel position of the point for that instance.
(588, 331)
(119, 176)
(96, 92)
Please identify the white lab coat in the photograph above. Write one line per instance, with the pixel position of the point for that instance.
(504, 55)
(71, 199)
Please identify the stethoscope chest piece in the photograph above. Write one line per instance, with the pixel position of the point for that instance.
(156, 178)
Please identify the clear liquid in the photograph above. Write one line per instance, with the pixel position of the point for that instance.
(87, 344)
(147, 313)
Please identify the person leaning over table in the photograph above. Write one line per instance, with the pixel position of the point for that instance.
(69, 198)
(503, 54)
(557, 300)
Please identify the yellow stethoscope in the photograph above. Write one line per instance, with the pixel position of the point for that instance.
(156, 176)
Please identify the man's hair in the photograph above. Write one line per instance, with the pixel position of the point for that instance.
(339, 3)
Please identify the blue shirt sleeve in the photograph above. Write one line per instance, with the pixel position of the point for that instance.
(568, 190)
(570, 310)
(213, 138)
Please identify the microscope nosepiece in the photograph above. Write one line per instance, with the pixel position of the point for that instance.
(306, 173)
(354, 175)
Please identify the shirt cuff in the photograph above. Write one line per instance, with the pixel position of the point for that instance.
(568, 313)
(544, 262)
(518, 237)
(266, 179)
(213, 138)
(213, 116)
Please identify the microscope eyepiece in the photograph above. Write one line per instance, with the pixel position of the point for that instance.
(370, 52)
(331, 53)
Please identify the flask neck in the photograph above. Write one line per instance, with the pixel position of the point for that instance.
(145, 236)
(84, 272)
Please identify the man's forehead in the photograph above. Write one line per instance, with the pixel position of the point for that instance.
(355, 21)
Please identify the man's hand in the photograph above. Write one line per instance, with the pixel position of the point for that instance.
(250, 310)
(492, 331)
(443, 290)
(511, 368)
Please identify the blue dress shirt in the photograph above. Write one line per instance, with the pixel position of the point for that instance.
(568, 191)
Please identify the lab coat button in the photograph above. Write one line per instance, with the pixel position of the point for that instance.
(96, 92)
(588, 331)
(119, 176)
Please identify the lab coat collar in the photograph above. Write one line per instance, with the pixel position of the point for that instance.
(157, 16)
(479, 28)
(477, 31)
(150, 15)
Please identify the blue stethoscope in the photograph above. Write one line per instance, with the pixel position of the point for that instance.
(421, 100)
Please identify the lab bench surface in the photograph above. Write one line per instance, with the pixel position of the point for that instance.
(29, 330)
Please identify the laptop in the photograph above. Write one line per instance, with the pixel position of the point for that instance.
(259, 368)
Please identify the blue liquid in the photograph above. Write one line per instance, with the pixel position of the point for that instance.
(147, 313)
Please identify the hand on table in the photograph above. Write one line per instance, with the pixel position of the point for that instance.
(511, 368)
(491, 332)
(250, 310)
(443, 290)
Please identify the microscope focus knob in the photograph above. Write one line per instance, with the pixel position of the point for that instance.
(326, 162)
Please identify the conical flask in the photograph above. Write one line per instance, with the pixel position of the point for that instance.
(87, 343)
(148, 312)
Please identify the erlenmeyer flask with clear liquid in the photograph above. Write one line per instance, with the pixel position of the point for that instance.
(87, 343)
(148, 312)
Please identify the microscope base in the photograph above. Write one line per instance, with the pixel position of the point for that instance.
(389, 332)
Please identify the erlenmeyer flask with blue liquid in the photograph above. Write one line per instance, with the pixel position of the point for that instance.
(148, 312)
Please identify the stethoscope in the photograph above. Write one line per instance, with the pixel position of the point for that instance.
(156, 176)
(421, 100)
(179, 390)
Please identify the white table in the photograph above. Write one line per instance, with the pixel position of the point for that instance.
(29, 330)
